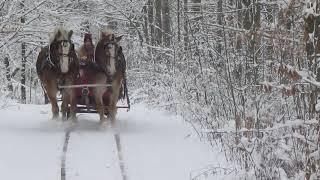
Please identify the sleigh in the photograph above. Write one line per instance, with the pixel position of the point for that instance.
(84, 91)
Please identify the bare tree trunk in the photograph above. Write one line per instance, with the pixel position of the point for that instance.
(219, 33)
(150, 19)
(145, 25)
(196, 11)
(239, 24)
(8, 74)
(178, 18)
(23, 73)
(23, 64)
(158, 22)
(196, 6)
(166, 23)
(185, 26)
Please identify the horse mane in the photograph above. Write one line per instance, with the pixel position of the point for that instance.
(59, 32)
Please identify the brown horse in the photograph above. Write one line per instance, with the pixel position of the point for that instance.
(109, 57)
(57, 64)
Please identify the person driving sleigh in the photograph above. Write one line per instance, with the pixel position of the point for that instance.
(86, 51)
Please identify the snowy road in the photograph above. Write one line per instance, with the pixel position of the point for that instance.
(154, 145)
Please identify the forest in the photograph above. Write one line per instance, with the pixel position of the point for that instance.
(243, 73)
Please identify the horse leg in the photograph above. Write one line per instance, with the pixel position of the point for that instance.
(113, 100)
(113, 106)
(64, 105)
(52, 89)
(73, 105)
(70, 98)
(113, 111)
(98, 94)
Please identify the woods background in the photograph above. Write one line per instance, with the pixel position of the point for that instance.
(242, 72)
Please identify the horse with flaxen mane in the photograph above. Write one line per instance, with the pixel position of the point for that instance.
(58, 64)
(109, 57)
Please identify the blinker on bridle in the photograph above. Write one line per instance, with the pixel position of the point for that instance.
(109, 45)
(63, 43)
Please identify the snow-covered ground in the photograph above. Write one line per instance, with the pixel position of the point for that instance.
(155, 145)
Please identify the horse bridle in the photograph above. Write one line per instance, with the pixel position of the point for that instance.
(106, 46)
(57, 64)
(70, 48)
(109, 45)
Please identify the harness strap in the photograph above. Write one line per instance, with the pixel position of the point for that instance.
(47, 62)
(122, 64)
(126, 90)
(48, 59)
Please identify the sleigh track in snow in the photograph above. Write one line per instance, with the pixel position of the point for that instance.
(120, 157)
(65, 150)
(64, 154)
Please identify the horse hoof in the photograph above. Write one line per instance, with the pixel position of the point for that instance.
(103, 125)
(55, 118)
(64, 118)
(112, 120)
(73, 124)
(74, 120)
(103, 122)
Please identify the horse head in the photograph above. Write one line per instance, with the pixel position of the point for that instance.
(107, 51)
(62, 48)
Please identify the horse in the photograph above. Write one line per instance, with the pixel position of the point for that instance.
(109, 57)
(58, 64)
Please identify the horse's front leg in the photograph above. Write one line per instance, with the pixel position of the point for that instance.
(73, 105)
(51, 88)
(98, 97)
(64, 105)
(70, 98)
(112, 108)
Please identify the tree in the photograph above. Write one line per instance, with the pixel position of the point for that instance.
(185, 25)
(23, 64)
(8, 73)
(158, 21)
(151, 21)
(178, 20)
(166, 23)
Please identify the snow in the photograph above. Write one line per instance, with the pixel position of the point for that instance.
(154, 144)
(94, 159)
(317, 107)
(29, 147)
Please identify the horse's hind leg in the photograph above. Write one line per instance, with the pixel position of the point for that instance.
(51, 88)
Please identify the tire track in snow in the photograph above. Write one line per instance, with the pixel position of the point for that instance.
(120, 157)
(64, 155)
